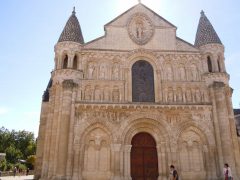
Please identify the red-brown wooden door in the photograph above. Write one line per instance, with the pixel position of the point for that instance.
(144, 161)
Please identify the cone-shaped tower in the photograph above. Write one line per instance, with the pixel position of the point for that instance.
(206, 33)
(72, 30)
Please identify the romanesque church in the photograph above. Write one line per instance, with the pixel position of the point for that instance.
(128, 104)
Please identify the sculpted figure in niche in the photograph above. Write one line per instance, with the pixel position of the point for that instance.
(102, 74)
(115, 95)
(189, 95)
(198, 96)
(194, 72)
(168, 73)
(206, 96)
(91, 69)
(88, 93)
(179, 95)
(115, 72)
(182, 75)
(170, 95)
(106, 94)
(97, 94)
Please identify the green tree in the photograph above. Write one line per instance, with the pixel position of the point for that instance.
(13, 154)
(3, 165)
(31, 161)
(17, 145)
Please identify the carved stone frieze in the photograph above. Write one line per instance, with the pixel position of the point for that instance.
(110, 115)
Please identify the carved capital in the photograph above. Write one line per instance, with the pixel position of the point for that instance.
(116, 147)
(218, 85)
(68, 84)
(127, 148)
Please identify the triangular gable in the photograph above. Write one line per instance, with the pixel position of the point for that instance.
(122, 19)
(182, 45)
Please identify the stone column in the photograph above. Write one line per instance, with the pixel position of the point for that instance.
(128, 84)
(54, 137)
(215, 64)
(211, 160)
(217, 133)
(116, 158)
(70, 60)
(127, 162)
(76, 155)
(234, 138)
(68, 86)
(157, 86)
(71, 137)
(224, 125)
(162, 163)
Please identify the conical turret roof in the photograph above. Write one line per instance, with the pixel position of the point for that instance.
(72, 30)
(205, 32)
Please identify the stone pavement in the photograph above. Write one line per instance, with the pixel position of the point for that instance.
(16, 177)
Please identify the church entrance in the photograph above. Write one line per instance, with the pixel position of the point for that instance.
(144, 160)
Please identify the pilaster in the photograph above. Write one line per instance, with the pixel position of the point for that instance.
(64, 134)
(127, 162)
(224, 126)
(115, 148)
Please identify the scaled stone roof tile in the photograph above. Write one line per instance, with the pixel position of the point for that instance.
(72, 30)
(205, 32)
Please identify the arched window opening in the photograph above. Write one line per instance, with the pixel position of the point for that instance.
(65, 62)
(219, 64)
(142, 82)
(209, 61)
(75, 62)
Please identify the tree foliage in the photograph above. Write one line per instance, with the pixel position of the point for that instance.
(16, 144)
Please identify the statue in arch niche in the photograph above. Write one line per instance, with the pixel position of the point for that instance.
(88, 93)
(194, 72)
(182, 73)
(115, 95)
(115, 72)
(103, 69)
(169, 73)
(91, 70)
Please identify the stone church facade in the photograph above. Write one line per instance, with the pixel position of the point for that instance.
(136, 100)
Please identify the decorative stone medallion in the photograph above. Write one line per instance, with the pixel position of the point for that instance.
(140, 28)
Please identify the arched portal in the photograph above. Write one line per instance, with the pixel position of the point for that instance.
(142, 82)
(144, 161)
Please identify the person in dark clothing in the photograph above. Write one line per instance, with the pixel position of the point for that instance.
(174, 173)
(27, 172)
(14, 171)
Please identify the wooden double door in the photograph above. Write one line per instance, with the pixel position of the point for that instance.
(144, 160)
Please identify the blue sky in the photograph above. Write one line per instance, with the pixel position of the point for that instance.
(30, 29)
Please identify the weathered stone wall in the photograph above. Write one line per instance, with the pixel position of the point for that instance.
(87, 126)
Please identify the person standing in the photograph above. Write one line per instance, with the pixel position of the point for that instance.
(174, 173)
(27, 172)
(227, 172)
(14, 171)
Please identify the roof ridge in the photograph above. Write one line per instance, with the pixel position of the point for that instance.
(139, 4)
